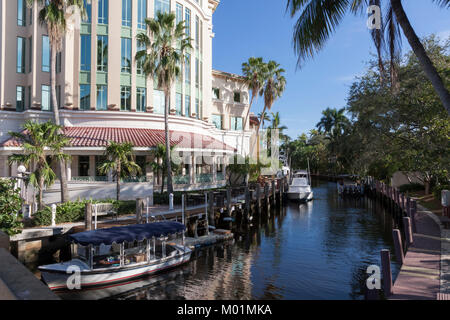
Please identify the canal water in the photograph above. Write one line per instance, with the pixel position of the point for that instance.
(318, 250)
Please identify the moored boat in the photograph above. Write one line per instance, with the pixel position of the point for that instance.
(300, 187)
(110, 256)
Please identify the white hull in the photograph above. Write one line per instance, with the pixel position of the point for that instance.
(56, 276)
(300, 196)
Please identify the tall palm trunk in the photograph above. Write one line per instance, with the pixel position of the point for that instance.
(421, 54)
(62, 163)
(166, 129)
(118, 181)
(41, 191)
(257, 131)
(246, 120)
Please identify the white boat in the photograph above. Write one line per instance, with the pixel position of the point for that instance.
(107, 257)
(300, 187)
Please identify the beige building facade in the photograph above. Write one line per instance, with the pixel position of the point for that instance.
(103, 94)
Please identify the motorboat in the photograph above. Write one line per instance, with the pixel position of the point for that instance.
(300, 187)
(119, 254)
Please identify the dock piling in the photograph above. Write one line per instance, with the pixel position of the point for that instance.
(386, 272)
(88, 216)
(408, 231)
(399, 255)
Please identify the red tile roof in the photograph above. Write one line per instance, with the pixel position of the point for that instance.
(99, 137)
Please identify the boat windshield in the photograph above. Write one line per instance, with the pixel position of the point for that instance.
(299, 182)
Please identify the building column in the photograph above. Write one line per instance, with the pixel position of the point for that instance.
(91, 166)
(69, 169)
(224, 167)
(14, 166)
(193, 170)
(4, 166)
(214, 169)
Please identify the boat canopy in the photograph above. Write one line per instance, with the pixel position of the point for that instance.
(131, 233)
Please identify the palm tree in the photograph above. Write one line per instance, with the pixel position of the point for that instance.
(159, 162)
(333, 121)
(272, 90)
(163, 55)
(264, 117)
(55, 14)
(119, 160)
(319, 18)
(40, 140)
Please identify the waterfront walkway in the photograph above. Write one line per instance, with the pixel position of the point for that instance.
(425, 274)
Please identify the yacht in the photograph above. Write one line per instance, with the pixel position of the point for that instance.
(300, 187)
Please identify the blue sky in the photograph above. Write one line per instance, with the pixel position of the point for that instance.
(245, 28)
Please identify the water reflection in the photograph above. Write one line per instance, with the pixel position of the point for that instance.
(318, 250)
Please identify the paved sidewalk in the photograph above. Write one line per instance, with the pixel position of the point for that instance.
(422, 276)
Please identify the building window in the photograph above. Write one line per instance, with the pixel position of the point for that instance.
(85, 59)
(197, 108)
(162, 6)
(21, 13)
(30, 54)
(103, 11)
(58, 62)
(88, 8)
(46, 98)
(85, 96)
(58, 97)
(158, 101)
(83, 166)
(237, 96)
(21, 55)
(197, 73)
(197, 32)
(126, 55)
(139, 63)
(178, 104)
(179, 13)
(99, 160)
(216, 93)
(141, 99)
(20, 98)
(236, 123)
(142, 14)
(187, 69)
(125, 98)
(216, 119)
(187, 21)
(126, 13)
(29, 102)
(45, 54)
(102, 98)
(187, 106)
(102, 53)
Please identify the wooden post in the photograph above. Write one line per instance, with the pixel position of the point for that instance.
(408, 231)
(229, 202)
(413, 215)
(400, 257)
(139, 210)
(206, 213)
(274, 193)
(211, 217)
(248, 201)
(386, 271)
(258, 198)
(88, 217)
(266, 196)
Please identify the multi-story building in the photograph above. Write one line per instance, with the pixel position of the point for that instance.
(104, 95)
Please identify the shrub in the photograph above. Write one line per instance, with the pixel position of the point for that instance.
(411, 187)
(10, 206)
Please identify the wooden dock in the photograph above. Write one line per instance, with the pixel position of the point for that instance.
(421, 272)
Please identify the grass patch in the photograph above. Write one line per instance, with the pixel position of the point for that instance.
(430, 202)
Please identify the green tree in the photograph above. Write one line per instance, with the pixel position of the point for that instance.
(159, 162)
(10, 205)
(273, 88)
(55, 14)
(120, 161)
(165, 46)
(40, 140)
(319, 19)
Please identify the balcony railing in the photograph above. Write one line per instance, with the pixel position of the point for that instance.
(134, 179)
(220, 176)
(181, 179)
(204, 178)
(90, 179)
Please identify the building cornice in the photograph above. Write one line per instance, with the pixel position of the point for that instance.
(227, 75)
(214, 4)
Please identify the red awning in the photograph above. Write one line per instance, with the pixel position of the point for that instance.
(99, 137)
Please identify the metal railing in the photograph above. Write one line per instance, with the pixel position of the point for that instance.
(90, 179)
